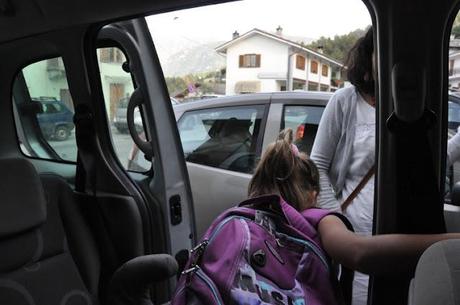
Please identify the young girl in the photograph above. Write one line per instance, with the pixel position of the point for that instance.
(274, 248)
(295, 178)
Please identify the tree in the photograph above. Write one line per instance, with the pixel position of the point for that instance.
(175, 85)
(457, 20)
(339, 46)
(456, 31)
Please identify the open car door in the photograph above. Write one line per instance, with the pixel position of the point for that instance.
(129, 70)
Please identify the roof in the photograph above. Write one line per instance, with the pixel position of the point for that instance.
(223, 48)
(316, 98)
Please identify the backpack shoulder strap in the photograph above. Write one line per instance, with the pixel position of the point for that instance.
(343, 285)
(314, 215)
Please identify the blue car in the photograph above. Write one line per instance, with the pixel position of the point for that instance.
(55, 120)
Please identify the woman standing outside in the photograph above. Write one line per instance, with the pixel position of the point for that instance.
(344, 148)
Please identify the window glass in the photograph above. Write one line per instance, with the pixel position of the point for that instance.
(44, 110)
(117, 86)
(453, 126)
(304, 121)
(225, 137)
(453, 171)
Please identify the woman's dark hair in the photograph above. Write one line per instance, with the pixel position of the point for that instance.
(359, 64)
(285, 171)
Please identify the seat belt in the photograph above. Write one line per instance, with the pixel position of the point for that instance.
(420, 189)
(86, 174)
(86, 184)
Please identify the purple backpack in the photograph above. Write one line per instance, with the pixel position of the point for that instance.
(252, 255)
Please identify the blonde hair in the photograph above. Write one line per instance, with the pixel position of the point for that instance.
(283, 170)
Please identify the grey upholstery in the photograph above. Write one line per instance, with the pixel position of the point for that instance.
(437, 276)
(130, 283)
(20, 191)
(67, 216)
(36, 266)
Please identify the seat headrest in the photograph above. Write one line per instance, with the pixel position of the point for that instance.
(22, 199)
(234, 127)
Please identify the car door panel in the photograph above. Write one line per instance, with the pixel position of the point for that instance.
(214, 190)
(221, 146)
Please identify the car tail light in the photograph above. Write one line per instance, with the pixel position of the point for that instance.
(299, 132)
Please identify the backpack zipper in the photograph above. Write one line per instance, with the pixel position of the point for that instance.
(309, 245)
(210, 284)
(221, 225)
(306, 243)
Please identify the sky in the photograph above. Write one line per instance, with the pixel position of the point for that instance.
(304, 18)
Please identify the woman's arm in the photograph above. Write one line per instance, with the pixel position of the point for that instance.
(380, 254)
(324, 149)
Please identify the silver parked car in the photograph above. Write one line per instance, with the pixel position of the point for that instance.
(223, 138)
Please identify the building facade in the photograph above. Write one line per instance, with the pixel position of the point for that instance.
(259, 61)
(454, 65)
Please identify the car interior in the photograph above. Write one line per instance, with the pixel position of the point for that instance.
(77, 228)
(227, 139)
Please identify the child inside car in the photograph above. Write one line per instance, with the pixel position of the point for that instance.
(276, 247)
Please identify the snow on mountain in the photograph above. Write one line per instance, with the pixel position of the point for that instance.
(192, 58)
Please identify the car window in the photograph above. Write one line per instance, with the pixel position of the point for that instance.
(44, 109)
(225, 138)
(304, 121)
(117, 86)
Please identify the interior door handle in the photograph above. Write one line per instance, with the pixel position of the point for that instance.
(136, 100)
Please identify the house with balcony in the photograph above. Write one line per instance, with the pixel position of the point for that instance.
(259, 61)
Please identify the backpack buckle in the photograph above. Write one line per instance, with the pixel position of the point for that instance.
(200, 247)
(193, 269)
(195, 259)
(265, 220)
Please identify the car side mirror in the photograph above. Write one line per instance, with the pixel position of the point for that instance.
(455, 194)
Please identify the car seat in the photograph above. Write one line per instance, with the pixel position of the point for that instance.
(437, 276)
(233, 137)
(36, 266)
(47, 253)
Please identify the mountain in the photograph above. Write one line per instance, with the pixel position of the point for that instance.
(193, 59)
(298, 39)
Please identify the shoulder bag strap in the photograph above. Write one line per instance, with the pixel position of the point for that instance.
(358, 188)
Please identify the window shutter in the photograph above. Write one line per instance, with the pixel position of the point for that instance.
(325, 69)
(300, 62)
(258, 60)
(241, 60)
(314, 67)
